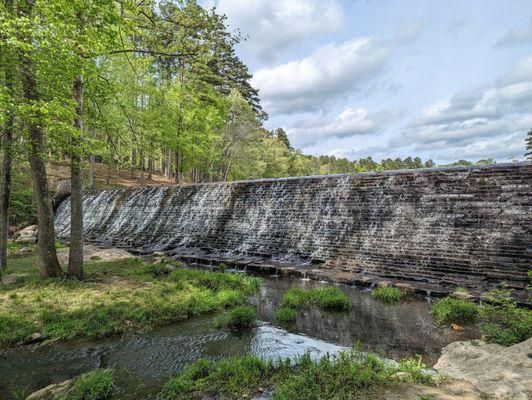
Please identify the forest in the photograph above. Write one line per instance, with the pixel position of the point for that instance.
(149, 86)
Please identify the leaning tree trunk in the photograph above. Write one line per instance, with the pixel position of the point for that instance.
(48, 263)
(75, 254)
(6, 176)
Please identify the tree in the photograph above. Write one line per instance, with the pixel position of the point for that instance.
(528, 142)
(48, 262)
(7, 145)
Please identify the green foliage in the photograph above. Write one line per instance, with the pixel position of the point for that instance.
(239, 318)
(116, 297)
(388, 294)
(329, 298)
(451, 310)
(285, 314)
(347, 375)
(95, 385)
(501, 321)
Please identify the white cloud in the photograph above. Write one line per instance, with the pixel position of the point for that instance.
(517, 36)
(274, 26)
(331, 70)
(478, 123)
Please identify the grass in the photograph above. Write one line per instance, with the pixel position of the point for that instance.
(450, 310)
(116, 297)
(330, 298)
(501, 321)
(388, 294)
(344, 376)
(95, 385)
(239, 318)
(285, 315)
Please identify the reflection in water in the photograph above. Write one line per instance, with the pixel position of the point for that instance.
(145, 360)
(400, 330)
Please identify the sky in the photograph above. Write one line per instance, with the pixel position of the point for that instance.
(438, 79)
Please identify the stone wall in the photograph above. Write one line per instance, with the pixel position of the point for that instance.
(467, 226)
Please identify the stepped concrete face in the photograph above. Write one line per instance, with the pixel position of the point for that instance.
(467, 226)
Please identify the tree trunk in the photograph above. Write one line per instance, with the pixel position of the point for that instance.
(90, 179)
(75, 254)
(133, 163)
(6, 175)
(48, 263)
(177, 167)
(141, 156)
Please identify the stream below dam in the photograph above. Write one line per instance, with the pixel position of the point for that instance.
(144, 361)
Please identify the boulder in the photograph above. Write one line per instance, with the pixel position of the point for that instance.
(34, 338)
(26, 235)
(93, 253)
(53, 391)
(502, 372)
(23, 250)
(13, 279)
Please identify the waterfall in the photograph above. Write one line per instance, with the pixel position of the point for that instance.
(451, 225)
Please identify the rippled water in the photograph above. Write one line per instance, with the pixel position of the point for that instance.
(143, 361)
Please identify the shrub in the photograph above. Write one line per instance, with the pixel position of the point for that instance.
(388, 294)
(239, 318)
(96, 385)
(330, 298)
(295, 298)
(451, 310)
(503, 322)
(285, 314)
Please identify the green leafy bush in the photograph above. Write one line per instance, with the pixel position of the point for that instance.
(451, 310)
(388, 294)
(503, 322)
(285, 314)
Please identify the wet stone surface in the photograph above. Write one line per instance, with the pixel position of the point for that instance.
(436, 228)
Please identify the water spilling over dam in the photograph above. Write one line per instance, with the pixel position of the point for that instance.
(444, 227)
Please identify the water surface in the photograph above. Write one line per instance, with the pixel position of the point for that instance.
(145, 360)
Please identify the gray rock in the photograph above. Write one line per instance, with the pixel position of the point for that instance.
(53, 391)
(502, 372)
(93, 253)
(23, 250)
(13, 279)
(26, 235)
(34, 338)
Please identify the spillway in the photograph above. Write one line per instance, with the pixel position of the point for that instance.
(447, 227)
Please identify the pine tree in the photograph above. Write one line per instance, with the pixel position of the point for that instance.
(528, 142)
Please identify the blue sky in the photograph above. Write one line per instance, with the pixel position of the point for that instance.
(446, 80)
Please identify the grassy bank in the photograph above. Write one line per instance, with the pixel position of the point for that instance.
(500, 320)
(116, 297)
(347, 375)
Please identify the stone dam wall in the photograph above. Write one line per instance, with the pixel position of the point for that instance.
(466, 226)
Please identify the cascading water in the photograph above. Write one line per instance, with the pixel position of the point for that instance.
(458, 226)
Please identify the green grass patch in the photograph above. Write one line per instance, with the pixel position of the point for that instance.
(347, 375)
(238, 318)
(501, 321)
(329, 298)
(388, 294)
(116, 297)
(95, 385)
(286, 315)
(450, 310)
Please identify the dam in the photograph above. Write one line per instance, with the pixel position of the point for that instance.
(430, 229)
